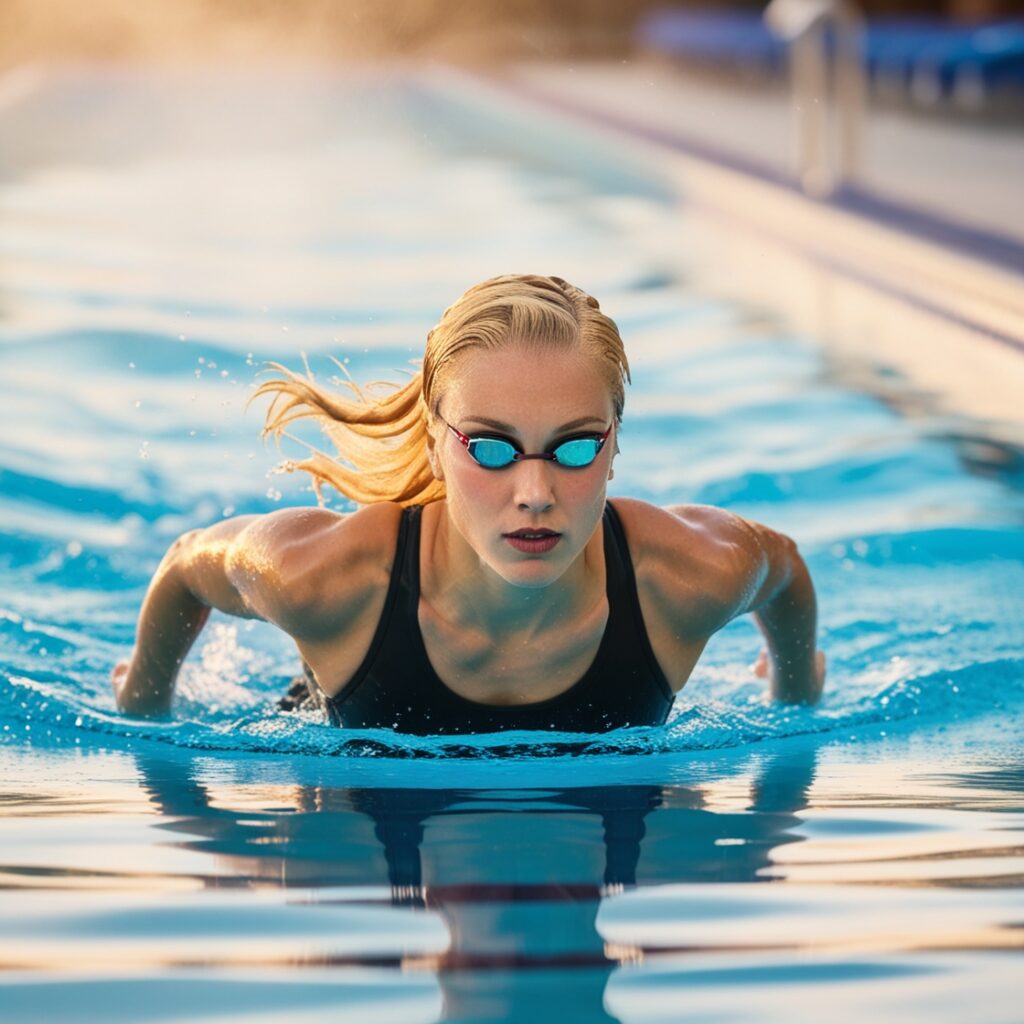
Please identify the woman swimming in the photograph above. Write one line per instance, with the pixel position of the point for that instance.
(486, 583)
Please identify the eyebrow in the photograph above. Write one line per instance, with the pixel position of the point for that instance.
(504, 427)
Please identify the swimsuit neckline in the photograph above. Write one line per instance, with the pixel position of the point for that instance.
(570, 691)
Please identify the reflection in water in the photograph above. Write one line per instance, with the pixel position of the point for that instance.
(516, 876)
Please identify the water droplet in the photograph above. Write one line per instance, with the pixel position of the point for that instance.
(273, 494)
(228, 510)
(74, 548)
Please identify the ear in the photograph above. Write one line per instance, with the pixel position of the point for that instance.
(435, 462)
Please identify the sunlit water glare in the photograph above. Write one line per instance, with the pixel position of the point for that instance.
(164, 238)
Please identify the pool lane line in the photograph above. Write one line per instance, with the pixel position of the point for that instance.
(1002, 254)
(885, 285)
(1001, 250)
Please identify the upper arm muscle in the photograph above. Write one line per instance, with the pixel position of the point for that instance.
(265, 567)
(276, 566)
(704, 566)
(309, 570)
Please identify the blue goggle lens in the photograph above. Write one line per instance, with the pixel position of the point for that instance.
(491, 452)
(578, 453)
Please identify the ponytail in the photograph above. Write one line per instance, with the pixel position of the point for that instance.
(383, 441)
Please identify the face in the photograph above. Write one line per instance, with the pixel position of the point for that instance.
(535, 399)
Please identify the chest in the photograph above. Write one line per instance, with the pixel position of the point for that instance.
(490, 668)
(514, 669)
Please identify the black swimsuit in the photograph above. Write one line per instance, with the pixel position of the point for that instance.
(397, 688)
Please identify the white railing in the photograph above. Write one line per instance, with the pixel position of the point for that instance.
(828, 87)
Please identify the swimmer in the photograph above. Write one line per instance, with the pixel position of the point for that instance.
(485, 582)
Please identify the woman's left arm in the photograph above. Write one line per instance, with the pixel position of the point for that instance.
(785, 608)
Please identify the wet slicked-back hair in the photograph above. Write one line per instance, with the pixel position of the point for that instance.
(381, 441)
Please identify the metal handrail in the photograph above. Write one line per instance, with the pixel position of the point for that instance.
(828, 88)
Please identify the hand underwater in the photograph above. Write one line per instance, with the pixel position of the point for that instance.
(118, 676)
(762, 669)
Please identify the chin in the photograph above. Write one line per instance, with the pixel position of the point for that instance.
(530, 576)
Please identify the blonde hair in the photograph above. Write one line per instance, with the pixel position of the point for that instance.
(383, 440)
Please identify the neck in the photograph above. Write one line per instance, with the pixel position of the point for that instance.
(470, 593)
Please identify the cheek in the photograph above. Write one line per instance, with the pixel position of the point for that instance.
(473, 493)
(584, 485)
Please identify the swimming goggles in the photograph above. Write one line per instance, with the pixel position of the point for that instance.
(497, 453)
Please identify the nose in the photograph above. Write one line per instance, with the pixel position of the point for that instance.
(534, 490)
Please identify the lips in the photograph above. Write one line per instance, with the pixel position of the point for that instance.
(533, 542)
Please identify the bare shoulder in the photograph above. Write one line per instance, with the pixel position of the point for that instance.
(693, 532)
(694, 564)
(309, 569)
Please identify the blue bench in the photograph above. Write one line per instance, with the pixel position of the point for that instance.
(736, 39)
(929, 58)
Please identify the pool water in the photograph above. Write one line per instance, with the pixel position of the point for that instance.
(163, 237)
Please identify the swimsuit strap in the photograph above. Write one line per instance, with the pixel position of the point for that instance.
(408, 530)
(620, 568)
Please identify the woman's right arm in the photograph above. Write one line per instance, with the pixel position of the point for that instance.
(191, 580)
(268, 567)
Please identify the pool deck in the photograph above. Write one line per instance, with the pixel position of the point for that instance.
(961, 172)
(916, 267)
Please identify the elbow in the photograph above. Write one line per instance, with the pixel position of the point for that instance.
(785, 569)
(175, 564)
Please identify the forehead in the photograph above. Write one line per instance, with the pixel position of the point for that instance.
(528, 387)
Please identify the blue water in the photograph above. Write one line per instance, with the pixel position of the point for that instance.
(162, 239)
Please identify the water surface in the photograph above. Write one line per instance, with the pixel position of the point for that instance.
(165, 237)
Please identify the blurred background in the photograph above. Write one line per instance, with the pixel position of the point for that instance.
(808, 226)
(467, 29)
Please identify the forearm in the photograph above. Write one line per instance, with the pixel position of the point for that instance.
(789, 623)
(170, 620)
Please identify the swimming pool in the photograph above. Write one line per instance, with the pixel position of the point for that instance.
(165, 236)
